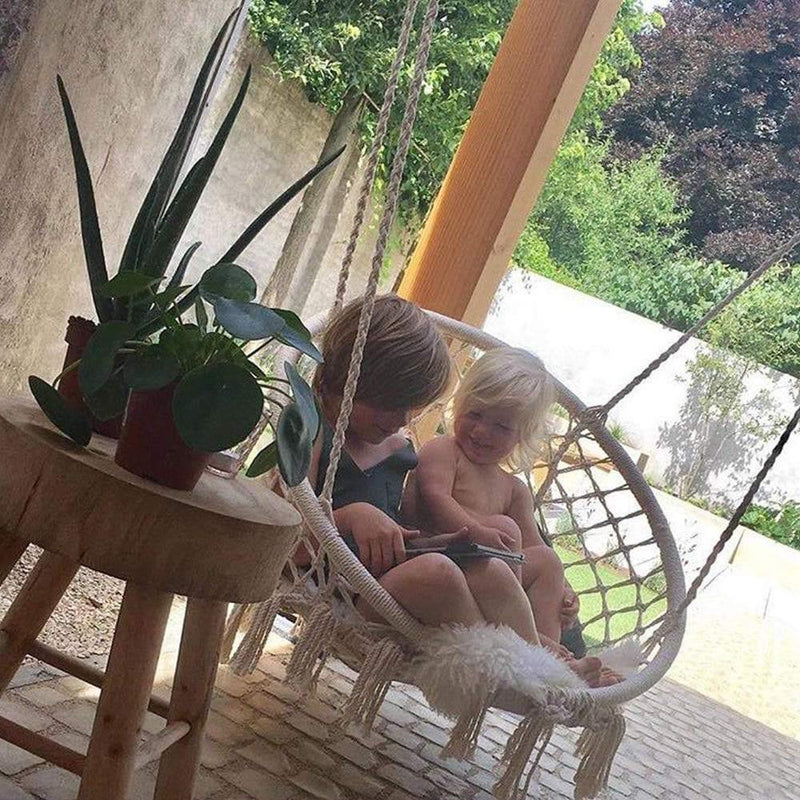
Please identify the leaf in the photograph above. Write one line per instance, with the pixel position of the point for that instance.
(264, 461)
(126, 284)
(109, 401)
(167, 297)
(216, 406)
(67, 419)
(304, 397)
(97, 361)
(151, 211)
(151, 368)
(294, 339)
(185, 201)
(180, 270)
(200, 314)
(229, 281)
(90, 226)
(257, 225)
(247, 321)
(294, 442)
(293, 321)
(255, 370)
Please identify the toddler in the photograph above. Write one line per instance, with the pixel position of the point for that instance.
(464, 480)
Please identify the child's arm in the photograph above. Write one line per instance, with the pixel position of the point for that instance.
(434, 480)
(522, 512)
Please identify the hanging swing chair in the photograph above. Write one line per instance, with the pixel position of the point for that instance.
(587, 493)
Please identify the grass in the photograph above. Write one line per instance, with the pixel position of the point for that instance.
(582, 579)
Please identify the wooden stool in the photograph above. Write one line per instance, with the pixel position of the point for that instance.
(224, 542)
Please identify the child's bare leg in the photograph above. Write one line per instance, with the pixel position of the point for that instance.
(432, 588)
(543, 581)
(500, 596)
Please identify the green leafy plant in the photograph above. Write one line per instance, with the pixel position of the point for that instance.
(220, 388)
(780, 524)
(165, 212)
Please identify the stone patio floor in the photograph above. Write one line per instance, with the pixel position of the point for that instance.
(724, 724)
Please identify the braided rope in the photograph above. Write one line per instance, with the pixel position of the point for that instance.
(390, 207)
(377, 143)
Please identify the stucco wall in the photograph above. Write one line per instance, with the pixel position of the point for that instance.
(595, 348)
(128, 68)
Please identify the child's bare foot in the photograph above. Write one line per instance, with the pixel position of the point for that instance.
(589, 668)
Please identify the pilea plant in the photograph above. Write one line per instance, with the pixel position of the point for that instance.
(220, 388)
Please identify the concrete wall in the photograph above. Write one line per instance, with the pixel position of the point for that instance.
(595, 348)
(129, 68)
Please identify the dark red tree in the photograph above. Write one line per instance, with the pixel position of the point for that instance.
(720, 85)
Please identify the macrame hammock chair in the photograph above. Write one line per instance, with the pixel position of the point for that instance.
(586, 479)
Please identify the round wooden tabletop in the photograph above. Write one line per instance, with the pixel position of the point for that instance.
(226, 540)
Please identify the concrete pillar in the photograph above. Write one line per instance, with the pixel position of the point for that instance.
(129, 68)
(521, 115)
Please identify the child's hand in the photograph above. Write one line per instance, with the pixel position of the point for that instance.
(491, 537)
(380, 540)
(570, 606)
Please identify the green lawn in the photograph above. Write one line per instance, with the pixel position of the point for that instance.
(582, 578)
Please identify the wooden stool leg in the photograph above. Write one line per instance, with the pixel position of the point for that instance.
(192, 690)
(31, 609)
(11, 550)
(125, 694)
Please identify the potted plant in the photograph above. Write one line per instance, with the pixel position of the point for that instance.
(195, 387)
(151, 245)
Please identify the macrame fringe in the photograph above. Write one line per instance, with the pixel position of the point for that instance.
(596, 749)
(375, 677)
(245, 660)
(232, 626)
(464, 736)
(318, 630)
(533, 733)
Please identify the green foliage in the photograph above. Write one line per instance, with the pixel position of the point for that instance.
(339, 45)
(782, 525)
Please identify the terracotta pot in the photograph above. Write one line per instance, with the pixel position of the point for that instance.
(79, 331)
(150, 445)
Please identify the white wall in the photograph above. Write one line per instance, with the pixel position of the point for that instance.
(595, 348)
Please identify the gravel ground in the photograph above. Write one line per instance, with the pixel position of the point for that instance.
(82, 624)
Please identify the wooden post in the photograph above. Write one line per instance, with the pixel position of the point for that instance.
(498, 171)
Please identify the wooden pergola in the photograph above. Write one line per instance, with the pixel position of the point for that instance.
(529, 97)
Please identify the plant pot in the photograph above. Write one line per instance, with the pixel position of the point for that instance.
(150, 445)
(79, 331)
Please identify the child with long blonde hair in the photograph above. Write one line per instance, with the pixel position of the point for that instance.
(465, 481)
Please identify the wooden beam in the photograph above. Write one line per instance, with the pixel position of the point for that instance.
(524, 109)
(55, 753)
(153, 747)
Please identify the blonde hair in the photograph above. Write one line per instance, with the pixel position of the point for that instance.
(406, 364)
(511, 378)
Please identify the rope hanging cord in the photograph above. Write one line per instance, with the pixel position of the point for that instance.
(387, 218)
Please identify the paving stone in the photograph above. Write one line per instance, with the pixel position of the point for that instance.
(235, 710)
(42, 694)
(318, 710)
(14, 759)
(432, 733)
(72, 739)
(447, 781)
(78, 715)
(206, 785)
(267, 705)
(308, 752)
(403, 736)
(231, 684)
(10, 791)
(215, 755)
(23, 714)
(222, 730)
(308, 725)
(404, 756)
(405, 779)
(433, 753)
(266, 755)
(276, 731)
(50, 783)
(78, 688)
(354, 751)
(316, 785)
(361, 783)
(397, 715)
(257, 784)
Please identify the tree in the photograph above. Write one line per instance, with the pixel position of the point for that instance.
(719, 86)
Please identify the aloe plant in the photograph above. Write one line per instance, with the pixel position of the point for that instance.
(220, 388)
